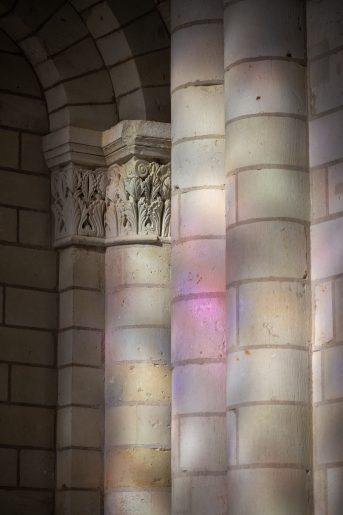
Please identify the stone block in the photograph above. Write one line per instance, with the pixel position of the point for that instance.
(153, 426)
(231, 200)
(80, 347)
(132, 105)
(27, 426)
(325, 83)
(100, 117)
(138, 343)
(121, 426)
(37, 469)
(328, 433)
(333, 372)
(274, 434)
(8, 224)
(272, 140)
(31, 308)
(198, 163)
(317, 379)
(250, 34)
(324, 27)
(79, 427)
(272, 490)
(338, 303)
(260, 306)
(73, 502)
(231, 434)
(267, 249)
(62, 30)
(318, 182)
(138, 306)
(193, 11)
(114, 48)
(273, 193)
(3, 382)
(100, 19)
(181, 494)
(151, 24)
(8, 468)
(322, 313)
(175, 215)
(231, 318)
(26, 113)
(209, 495)
(200, 329)
(79, 59)
(125, 77)
(319, 491)
(335, 493)
(161, 502)
(121, 502)
(197, 55)
(9, 148)
(32, 153)
(199, 388)
(139, 467)
(137, 264)
(14, 189)
(268, 374)
(197, 111)
(79, 469)
(28, 267)
(326, 249)
(27, 346)
(137, 382)
(14, 502)
(335, 176)
(81, 308)
(34, 228)
(33, 385)
(48, 73)
(81, 268)
(203, 444)
(202, 212)
(199, 267)
(80, 385)
(324, 141)
(266, 86)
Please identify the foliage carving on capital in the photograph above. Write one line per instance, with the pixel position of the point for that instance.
(138, 199)
(79, 205)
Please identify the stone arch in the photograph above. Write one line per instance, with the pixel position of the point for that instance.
(97, 62)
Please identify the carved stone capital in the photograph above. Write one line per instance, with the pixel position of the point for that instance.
(110, 187)
(78, 202)
(138, 200)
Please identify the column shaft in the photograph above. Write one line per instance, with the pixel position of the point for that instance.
(137, 380)
(269, 418)
(198, 260)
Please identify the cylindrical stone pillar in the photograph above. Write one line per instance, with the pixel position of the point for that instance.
(198, 260)
(269, 418)
(137, 349)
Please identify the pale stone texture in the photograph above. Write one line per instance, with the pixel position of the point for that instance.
(328, 431)
(318, 181)
(324, 139)
(267, 249)
(333, 373)
(252, 88)
(273, 140)
(335, 496)
(201, 442)
(260, 305)
(79, 427)
(323, 316)
(335, 176)
(268, 374)
(273, 193)
(339, 309)
(202, 212)
(326, 249)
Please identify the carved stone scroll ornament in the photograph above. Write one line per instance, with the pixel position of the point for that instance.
(138, 200)
(79, 202)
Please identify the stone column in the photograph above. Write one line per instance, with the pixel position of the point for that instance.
(269, 419)
(325, 39)
(111, 204)
(198, 260)
(137, 380)
(78, 203)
